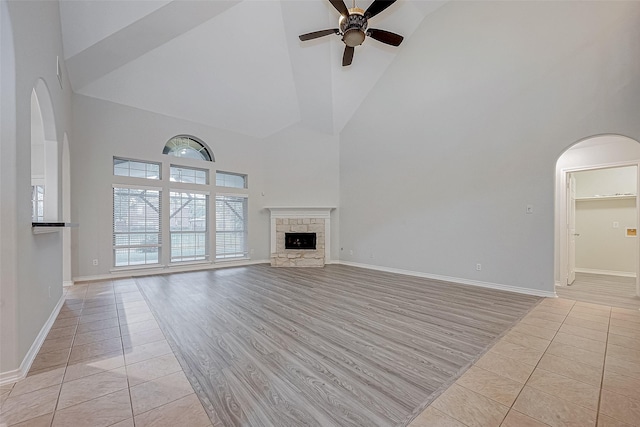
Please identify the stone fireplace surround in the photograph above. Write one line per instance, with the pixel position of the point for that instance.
(300, 220)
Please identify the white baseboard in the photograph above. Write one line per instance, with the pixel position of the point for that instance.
(21, 372)
(510, 288)
(606, 272)
(167, 270)
(67, 283)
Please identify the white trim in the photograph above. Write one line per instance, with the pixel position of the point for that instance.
(498, 286)
(222, 193)
(67, 283)
(174, 189)
(21, 372)
(136, 187)
(135, 267)
(606, 272)
(178, 264)
(116, 274)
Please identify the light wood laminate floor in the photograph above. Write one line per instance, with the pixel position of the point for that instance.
(602, 289)
(338, 346)
(106, 362)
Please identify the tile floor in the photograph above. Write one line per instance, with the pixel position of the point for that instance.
(106, 362)
(566, 363)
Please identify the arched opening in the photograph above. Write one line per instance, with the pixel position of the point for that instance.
(44, 156)
(597, 213)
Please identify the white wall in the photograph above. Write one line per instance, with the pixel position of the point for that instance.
(31, 264)
(464, 130)
(601, 246)
(103, 129)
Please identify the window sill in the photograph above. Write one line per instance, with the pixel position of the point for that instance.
(181, 263)
(137, 267)
(223, 260)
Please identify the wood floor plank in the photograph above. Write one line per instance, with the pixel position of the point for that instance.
(337, 346)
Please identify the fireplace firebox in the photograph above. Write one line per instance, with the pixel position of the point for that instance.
(300, 241)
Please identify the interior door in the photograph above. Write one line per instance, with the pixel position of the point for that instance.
(571, 227)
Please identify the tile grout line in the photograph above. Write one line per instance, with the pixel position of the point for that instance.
(536, 367)
(55, 408)
(126, 370)
(527, 380)
(604, 362)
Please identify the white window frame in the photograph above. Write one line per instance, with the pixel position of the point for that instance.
(37, 203)
(115, 233)
(206, 174)
(206, 231)
(242, 175)
(244, 254)
(145, 162)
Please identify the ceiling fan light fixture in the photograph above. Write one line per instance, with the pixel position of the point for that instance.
(352, 26)
(353, 37)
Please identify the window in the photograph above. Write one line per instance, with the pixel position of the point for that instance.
(231, 226)
(136, 169)
(188, 218)
(136, 226)
(189, 147)
(37, 203)
(189, 175)
(234, 180)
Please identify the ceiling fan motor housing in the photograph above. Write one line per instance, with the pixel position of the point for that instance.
(353, 27)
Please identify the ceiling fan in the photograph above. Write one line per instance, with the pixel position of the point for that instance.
(352, 26)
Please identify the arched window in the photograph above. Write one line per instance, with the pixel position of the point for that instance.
(189, 147)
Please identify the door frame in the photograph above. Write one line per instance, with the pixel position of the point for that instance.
(563, 216)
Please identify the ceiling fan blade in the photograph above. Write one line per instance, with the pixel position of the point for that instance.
(376, 7)
(316, 34)
(347, 57)
(340, 7)
(385, 36)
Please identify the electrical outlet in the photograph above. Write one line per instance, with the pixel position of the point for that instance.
(616, 224)
(95, 262)
(478, 267)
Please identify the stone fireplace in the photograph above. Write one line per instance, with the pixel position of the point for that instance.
(300, 237)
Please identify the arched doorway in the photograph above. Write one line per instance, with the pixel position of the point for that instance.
(596, 216)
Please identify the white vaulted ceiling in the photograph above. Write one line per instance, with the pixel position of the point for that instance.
(235, 65)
